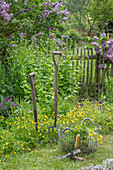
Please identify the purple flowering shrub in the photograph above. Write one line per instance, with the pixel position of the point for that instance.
(4, 9)
(103, 46)
(7, 105)
(25, 20)
(52, 15)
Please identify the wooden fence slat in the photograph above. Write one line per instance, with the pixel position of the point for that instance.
(87, 73)
(91, 72)
(80, 92)
(99, 62)
(77, 52)
(103, 77)
(84, 71)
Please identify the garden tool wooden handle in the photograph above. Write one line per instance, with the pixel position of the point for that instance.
(77, 140)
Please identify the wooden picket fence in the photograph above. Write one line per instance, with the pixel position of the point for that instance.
(91, 79)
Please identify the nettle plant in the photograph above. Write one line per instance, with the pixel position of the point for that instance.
(103, 46)
(7, 106)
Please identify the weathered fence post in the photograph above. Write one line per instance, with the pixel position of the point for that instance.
(32, 82)
(103, 77)
(96, 75)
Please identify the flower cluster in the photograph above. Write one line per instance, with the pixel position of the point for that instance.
(103, 47)
(7, 105)
(52, 10)
(4, 8)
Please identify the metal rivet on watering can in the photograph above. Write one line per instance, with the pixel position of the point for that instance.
(32, 82)
(56, 82)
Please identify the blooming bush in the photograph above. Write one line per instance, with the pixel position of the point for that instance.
(4, 8)
(103, 46)
(28, 20)
(7, 106)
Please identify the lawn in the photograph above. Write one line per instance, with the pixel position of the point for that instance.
(43, 158)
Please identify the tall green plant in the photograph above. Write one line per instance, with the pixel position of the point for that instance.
(33, 58)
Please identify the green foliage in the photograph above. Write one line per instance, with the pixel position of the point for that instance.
(101, 12)
(29, 19)
(109, 90)
(33, 58)
(18, 136)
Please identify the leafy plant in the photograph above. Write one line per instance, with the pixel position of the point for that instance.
(7, 106)
(109, 91)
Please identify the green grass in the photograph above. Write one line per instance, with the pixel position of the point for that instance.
(43, 158)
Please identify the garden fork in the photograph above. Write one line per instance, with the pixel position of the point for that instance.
(55, 94)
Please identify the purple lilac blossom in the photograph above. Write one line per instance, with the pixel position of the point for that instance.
(101, 66)
(5, 108)
(112, 46)
(64, 18)
(103, 45)
(14, 105)
(59, 44)
(24, 10)
(104, 55)
(95, 38)
(64, 48)
(44, 3)
(110, 57)
(66, 12)
(9, 50)
(45, 11)
(7, 99)
(53, 11)
(11, 95)
(95, 44)
(0, 104)
(21, 11)
(60, 13)
(63, 36)
(14, 46)
(22, 100)
(39, 34)
(4, 8)
(51, 35)
(98, 50)
(110, 52)
(22, 34)
(56, 3)
(12, 35)
(10, 44)
(48, 3)
(110, 41)
(27, 26)
(103, 35)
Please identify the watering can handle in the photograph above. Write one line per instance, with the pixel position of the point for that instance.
(87, 119)
(56, 53)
